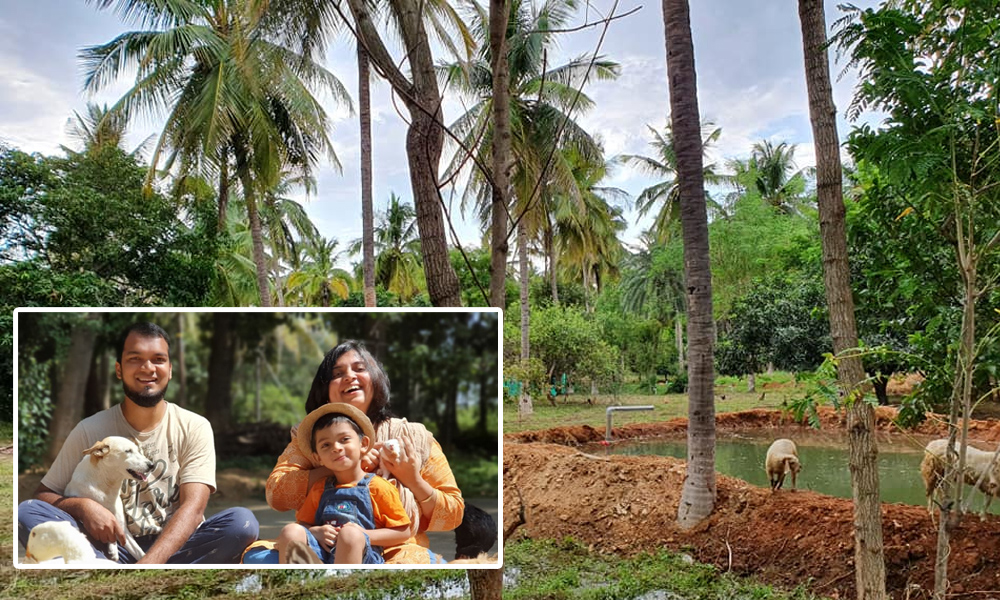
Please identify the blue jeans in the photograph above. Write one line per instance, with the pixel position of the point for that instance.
(220, 539)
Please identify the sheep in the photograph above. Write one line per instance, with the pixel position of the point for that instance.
(782, 457)
(981, 470)
(53, 539)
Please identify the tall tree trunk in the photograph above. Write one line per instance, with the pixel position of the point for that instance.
(502, 154)
(424, 142)
(73, 384)
(524, 272)
(223, 190)
(868, 551)
(367, 211)
(219, 397)
(256, 236)
(550, 252)
(424, 139)
(679, 339)
(698, 495)
(961, 400)
(486, 584)
(178, 362)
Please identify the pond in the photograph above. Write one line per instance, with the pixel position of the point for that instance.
(824, 462)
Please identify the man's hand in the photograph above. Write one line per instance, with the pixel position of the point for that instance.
(100, 522)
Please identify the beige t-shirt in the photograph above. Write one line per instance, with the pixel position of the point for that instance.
(181, 445)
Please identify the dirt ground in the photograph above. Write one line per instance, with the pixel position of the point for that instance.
(628, 504)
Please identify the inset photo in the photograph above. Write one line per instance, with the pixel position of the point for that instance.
(257, 438)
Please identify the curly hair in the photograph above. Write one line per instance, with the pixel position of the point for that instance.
(319, 393)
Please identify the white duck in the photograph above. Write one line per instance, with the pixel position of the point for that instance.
(53, 539)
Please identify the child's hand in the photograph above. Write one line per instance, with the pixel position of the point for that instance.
(370, 461)
(326, 535)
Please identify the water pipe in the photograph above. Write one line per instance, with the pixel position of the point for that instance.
(611, 410)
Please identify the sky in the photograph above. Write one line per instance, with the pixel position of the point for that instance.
(748, 57)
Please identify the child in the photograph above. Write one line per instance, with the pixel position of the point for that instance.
(349, 516)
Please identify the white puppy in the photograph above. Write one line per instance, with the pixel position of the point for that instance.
(59, 542)
(99, 476)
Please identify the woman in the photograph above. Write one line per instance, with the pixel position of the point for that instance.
(350, 374)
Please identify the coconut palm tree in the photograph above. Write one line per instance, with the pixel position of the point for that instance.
(542, 102)
(663, 164)
(770, 172)
(98, 129)
(238, 93)
(317, 278)
(698, 494)
(652, 289)
(586, 237)
(397, 248)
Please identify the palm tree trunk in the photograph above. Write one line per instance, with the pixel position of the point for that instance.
(502, 158)
(868, 551)
(522, 244)
(698, 495)
(550, 250)
(223, 190)
(256, 237)
(367, 214)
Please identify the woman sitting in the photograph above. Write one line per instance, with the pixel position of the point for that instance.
(414, 462)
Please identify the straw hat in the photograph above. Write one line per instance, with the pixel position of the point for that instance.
(306, 427)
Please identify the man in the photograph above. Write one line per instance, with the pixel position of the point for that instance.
(174, 495)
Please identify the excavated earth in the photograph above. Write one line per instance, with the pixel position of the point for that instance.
(628, 504)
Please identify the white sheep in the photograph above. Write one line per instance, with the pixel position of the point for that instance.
(782, 457)
(980, 470)
(53, 539)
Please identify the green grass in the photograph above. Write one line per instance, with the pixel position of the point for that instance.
(730, 396)
(567, 570)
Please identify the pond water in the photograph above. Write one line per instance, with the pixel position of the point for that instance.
(824, 462)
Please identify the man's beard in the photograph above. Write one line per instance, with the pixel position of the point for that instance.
(143, 398)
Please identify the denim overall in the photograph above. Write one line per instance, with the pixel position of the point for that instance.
(339, 506)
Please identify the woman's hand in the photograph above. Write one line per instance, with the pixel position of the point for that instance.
(404, 466)
(326, 535)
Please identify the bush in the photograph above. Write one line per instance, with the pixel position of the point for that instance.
(678, 384)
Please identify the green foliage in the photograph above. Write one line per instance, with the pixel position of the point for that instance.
(821, 388)
(530, 374)
(927, 179)
(567, 342)
(677, 384)
(779, 321)
(475, 282)
(34, 411)
(476, 475)
(756, 241)
(84, 233)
